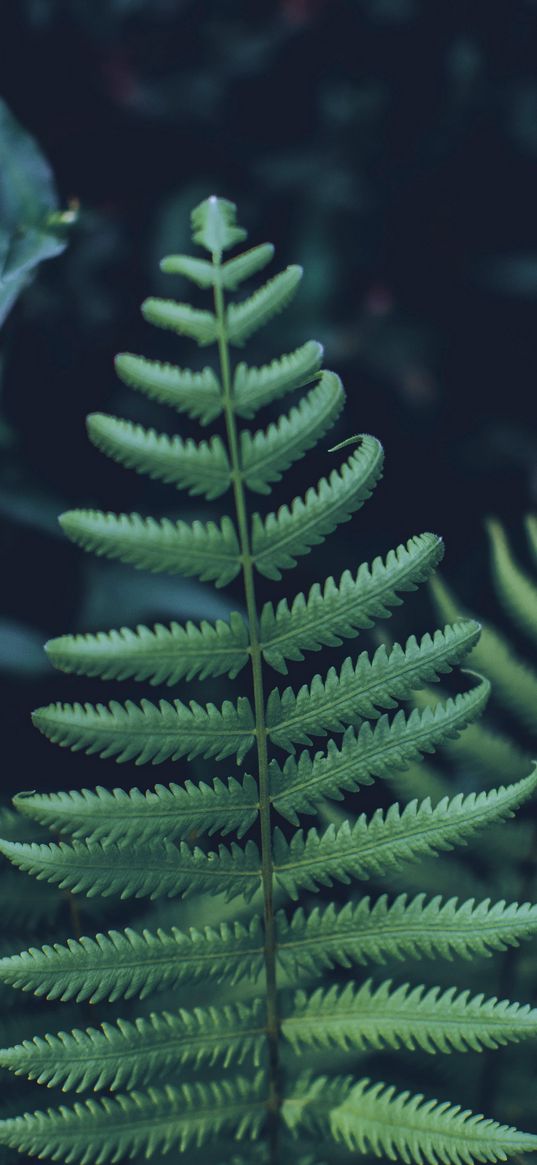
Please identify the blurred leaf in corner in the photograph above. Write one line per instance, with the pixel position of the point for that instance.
(32, 226)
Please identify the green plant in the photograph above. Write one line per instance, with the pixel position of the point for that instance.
(239, 1060)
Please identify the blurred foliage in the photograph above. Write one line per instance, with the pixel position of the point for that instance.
(32, 227)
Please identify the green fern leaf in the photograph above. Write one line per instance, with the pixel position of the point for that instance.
(377, 750)
(373, 845)
(159, 870)
(515, 589)
(182, 319)
(279, 539)
(214, 225)
(253, 388)
(388, 1016)
(199, 271)
(130, 1053)
(199, 468)
(341, 610)
(206, 550)
(405, 928)
(242, 319)
(360, 688)
(196, 393)
(374, 1117)
(125, 964)
(265, 455)
(231, 274)
(235, 271)
(154, 1121)
(162, 655)
(175, 811)
(146, 733)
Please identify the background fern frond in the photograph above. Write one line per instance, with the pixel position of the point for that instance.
(195, 393)
(200, 468)
(515, 588)
(341, 610)
(143, 732)
(161, 655)
(253, 388)
(513, 679)
(279, 539)
(207, 550)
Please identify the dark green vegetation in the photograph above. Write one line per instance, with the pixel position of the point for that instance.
(267, 1018)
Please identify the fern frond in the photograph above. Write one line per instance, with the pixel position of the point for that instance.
(376, 750)
(181, 318)
(387, 1016)
(126, 964)
(162, 655)
(279, 539)
(147, 733)
(171, 811)
(214, 225)
(516, 590)
(242, 319)
(253, 388)
(199, 271)
(360, 688)
(111, 1128)
(158, 870)
(387, 839)
(235, 271)
(206, 550)
(374, 1117)
(404, 928)
(266, 454)
(129, 1053)
(199, 468)
(341, 610)
(231, 274)
(196, 393)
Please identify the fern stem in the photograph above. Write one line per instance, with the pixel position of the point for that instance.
(259, 710)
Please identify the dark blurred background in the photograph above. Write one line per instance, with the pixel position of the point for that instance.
(390, 146)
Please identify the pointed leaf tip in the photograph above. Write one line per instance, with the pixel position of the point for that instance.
(214, 225)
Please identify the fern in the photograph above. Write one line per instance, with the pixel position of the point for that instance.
(244, 990)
